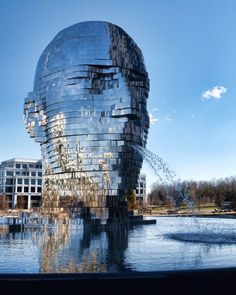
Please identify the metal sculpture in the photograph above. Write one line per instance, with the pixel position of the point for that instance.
(87, 109)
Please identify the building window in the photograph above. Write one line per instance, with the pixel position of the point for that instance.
(31, 165)
(32, 189)
(33, 173)
(141, 192)
(10, 165)
(9, 181)
(26, 181)
(17, 172)
(26, 189)
(33, 181)
(9, 173)
(19, 189)
(39, 181)
(24, 166)
(18, 166)
(39, 189)
(8, 189)
(39, 174)
(24, 173)
(19, 180)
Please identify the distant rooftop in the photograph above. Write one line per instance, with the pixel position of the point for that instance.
(25, 160)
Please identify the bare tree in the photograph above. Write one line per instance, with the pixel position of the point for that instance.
(201, 192)
(20, 202)
(4, 202)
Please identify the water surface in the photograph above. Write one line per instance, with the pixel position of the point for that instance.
(173, 243)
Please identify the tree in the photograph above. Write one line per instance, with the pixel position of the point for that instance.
(132, 201)
(20, 202)
(4, 202)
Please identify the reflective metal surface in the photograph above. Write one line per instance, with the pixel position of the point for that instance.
(87, 108)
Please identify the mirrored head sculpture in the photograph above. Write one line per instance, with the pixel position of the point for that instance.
(88, 112)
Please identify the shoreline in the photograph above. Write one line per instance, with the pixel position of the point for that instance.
(211, 215)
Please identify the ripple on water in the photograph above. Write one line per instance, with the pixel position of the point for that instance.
(204, 237)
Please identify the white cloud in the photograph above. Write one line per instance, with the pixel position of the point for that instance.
(155, 109)
(215, 93)
(153, 119)
(167, 118)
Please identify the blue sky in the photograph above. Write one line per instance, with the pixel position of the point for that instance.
(189, 49)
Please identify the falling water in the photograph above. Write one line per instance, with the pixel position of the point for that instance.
(166, 176)
(159, 167)
(197, 230)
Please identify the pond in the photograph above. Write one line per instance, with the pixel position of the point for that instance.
(173, 243)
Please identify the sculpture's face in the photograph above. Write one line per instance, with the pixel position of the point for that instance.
(89, 66)
(103, 98)
(89, 104)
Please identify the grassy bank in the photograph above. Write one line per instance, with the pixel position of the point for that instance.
(203, 210)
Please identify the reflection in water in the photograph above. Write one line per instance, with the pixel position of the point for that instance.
(51, 243)
(117, 244)
(74, 248)
(70, 248)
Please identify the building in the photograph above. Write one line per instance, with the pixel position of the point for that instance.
(21, 182)
(88, 111)
(141, 191)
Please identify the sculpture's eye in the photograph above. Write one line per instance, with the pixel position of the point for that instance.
(95, 80)
(123, 114)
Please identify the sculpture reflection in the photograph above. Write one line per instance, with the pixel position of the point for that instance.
(87, 108)
(85, 249)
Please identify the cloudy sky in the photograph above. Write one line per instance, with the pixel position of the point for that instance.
(190, 53)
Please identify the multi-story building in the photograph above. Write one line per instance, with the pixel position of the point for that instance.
(141, 190)
(21, 182)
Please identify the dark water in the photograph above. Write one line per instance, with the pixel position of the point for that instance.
(172, 243)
